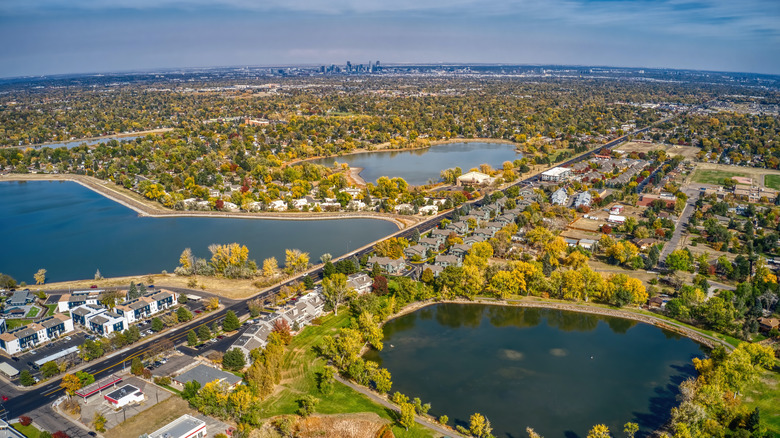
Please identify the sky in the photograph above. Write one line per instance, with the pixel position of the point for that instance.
(43, 37)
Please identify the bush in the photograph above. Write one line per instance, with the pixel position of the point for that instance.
(24, 420)
(26, 379)
(306, 405)
(162, 380)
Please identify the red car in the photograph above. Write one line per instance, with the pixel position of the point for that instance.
(5, 398)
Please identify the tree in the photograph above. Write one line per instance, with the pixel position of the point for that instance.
(296, 260)
(187, 262)
(98, 275)
(212, 303)
(270, 267)
(678, 260)
(157, 324)
(379, 286)
(231, 322)
(255, 307)
(306, 405)
(599, 431)
(137, 367)
(326, 378)
(40, 276)
(204, 333)
(282, 327)
(370, 329)
(183, 314)
(630, 429)
(443, 420)
(479, 426)
(99, 422)
(50, 369)
(70, 383)
(26, 379)
(85, 378)
(335, 290)
(406, 418)
(234, 359)
(192, 338)
(25, 420)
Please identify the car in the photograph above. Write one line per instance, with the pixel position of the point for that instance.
(15, 358)
(94, 286)
(198, 311)
(33, 352)
(221, 337)
(68, 338)
(4, 398)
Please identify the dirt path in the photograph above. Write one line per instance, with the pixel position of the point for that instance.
(382, 400)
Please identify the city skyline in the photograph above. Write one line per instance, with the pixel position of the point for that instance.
(91, 36)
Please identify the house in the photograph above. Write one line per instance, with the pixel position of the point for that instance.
(446, 260)
(474, 179)
(415, 250)
(393, 267)
(587, 244)
(79, 298)
(429, 243)
(505, 219)
(83, 313)
(768, 324)
(484, 232)
(617, 209)
(459, 227)
(556, 174)
(571, 242)
(428, 210)
(615, 219)
(439, 234)
(459, 249)
(404, 208)
(106, 323)
(32, 334)
(204, 374)
(20, 298)
(474, 238)
(559, 197)
(124, 396)
(435, 269)
(277, 205)
(185, 426)
(361, 282)
(646, 243)
(582, 199)
(493, 225)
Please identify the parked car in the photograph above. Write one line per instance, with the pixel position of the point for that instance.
(68, 338)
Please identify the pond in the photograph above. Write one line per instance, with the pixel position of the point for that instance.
(556, 371)
(72, 231)
(419, 166)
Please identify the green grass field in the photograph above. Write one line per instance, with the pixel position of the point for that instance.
(16, 323)
(301, 365)
(28, 431)
(52, 309)
(772, 181)
(33, 312)
(764, 395)
(714, 176)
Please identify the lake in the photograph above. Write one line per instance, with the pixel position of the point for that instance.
(558, 372)
(72, 231)
(418, 166)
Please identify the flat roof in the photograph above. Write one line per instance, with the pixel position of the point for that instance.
(122, 392)
(179, 427)
(8, 370)
(555, 171)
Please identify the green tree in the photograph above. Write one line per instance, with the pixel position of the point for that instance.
(443, 420)
(192, 338)
(85, 378)
(204, 333)
(26, 379)
(157, 325)
(183, 314)
(306, 405)
(137, 367)
(335, 290)
(50, 369)
(231, 322)
(678, 260)
(234, 359)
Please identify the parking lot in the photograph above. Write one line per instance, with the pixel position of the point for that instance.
(27, 360)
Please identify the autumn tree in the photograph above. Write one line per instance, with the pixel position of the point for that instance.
(282, 327)
(70, 384)
(336, 290)
(406, 419)
(186, 263)
(270, 267)
(599, 431)
(296, 261)
(479, 426)
(40, 276)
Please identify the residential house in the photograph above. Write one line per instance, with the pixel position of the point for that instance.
(447, 260)
(587, 244)
(582, 199)
(474, 238)
(459, 249)
(435, 269)
(20, 298)
(106, 323)
(83, 313)
(559, 197)
(204, 374)
(415, 250)
(361, 282)
(484, 232)
(393, 267)
(459, 227)
(768, 324)
(429, 243)
(440, 235)
(428, 210)
(29, 336)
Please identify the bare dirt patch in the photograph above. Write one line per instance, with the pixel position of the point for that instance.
(362, 425)
(152, 419)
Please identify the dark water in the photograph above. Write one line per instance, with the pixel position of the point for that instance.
(72, 231)
(556, 371)
(418, 166)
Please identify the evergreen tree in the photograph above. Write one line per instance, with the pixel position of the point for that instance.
(204, 333)
(234, 359)
(192, 338)
(231, 322)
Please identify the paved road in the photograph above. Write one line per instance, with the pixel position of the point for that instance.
(679, 227)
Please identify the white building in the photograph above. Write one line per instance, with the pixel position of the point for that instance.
(185, 426)
(124, 396)
(559, 197)
(474, 179)
(31, 335)
(556, 174)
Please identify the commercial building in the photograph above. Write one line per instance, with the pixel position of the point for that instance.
(124, 396)
(474, 179)
(204, 374)
(556, 174)
(185, 426)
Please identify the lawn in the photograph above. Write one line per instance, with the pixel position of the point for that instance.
(711, 176)
(33, 312)
(52, 309)
(301, 365)
(772, 181)
(16, 323)
(764, 394)
(28, 431)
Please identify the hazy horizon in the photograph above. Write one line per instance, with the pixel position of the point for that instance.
(52, 37)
